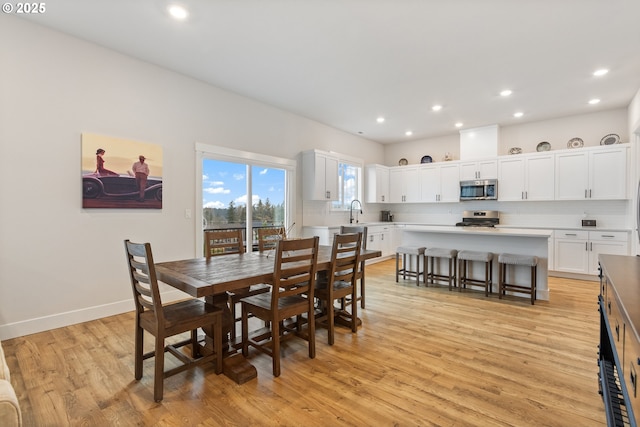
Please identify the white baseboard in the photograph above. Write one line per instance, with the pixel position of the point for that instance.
(59, 320)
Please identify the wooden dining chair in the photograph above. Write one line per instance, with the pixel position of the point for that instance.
(295, 266)
(223, 242)
(164, 321)
(268, 237)
(340, 283)
(344, 229)
(227, 242)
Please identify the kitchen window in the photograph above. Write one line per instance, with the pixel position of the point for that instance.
(349, 184)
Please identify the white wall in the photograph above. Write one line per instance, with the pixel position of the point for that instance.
(590, 127)
(61, 264)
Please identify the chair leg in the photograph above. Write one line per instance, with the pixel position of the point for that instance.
(158, 375)
(533, 284)
(362, 285)
(232, 308)
(501, 274)
(354, 315)
(311, 331)
(275, 347)
(330, 322)
(245, 332)
(195, 348)
(139, 347)
(217, 344)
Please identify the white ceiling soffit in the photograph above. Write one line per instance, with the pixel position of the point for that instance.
(346, 62)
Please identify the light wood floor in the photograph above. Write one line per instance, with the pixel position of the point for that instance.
(424, 356)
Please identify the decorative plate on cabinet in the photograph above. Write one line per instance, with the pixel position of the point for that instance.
(515, 150)
(403, 162)
(575, 143)
(426, 159)
(543, 146)
(610, 139)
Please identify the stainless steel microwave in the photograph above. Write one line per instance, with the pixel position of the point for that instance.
(479, 189)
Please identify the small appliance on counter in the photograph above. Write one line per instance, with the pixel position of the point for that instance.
(386, 216)
(479, 219)
(588, 222)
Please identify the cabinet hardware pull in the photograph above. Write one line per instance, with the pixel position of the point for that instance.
(585, 193)
(591, 246)
(589, 193)
(606, 235)
(586, 246)
(570, 234)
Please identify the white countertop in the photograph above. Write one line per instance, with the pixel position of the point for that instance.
(489, 231)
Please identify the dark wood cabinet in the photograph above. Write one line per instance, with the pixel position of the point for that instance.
(619, 349)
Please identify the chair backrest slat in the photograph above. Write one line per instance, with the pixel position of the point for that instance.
(268, 237)
(144, 282)
(295, 267)
(346, 229)
(345, 257)
(223, 242)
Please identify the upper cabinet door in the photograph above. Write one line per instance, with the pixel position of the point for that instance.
(320, 176)
(608, 174)
(597, 173)
(376, 184)
(572, 175)
(479, 169)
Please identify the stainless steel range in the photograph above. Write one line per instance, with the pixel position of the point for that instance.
(479, 219)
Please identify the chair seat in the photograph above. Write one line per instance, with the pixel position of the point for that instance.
(411, 250)
(516, 259)
(264, 301)
(475, 256)
(441, 253)
(246, 292)
(179, 316)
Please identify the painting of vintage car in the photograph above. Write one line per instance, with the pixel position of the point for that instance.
(118, 189)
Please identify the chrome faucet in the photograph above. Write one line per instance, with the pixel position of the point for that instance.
(351, 210)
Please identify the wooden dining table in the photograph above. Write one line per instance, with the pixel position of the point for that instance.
(212, 278)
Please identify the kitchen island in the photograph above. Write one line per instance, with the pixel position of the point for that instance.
(497, 240)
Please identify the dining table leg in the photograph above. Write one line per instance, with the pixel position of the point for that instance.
(234, 365)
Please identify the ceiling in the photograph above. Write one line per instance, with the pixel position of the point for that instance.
(347, 62)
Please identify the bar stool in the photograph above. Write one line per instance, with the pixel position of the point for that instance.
(515, 260)
(418, 252)
(430, 255)
(463, 280)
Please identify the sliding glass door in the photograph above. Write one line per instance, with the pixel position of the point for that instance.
(243, 195)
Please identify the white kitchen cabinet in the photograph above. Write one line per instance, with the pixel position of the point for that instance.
(610, 243)
(593, 173)
(404, 186)
(380, 237)
(376, 184)
(320, 175)
(480, 169)
(576, 251)
(526, 177)
(439, 183)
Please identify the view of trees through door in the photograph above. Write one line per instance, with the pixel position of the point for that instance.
(242, 195)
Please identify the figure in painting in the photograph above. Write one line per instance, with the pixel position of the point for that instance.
(141, 171)
(100, 169)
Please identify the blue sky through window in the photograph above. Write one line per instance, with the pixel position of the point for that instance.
(223, 182)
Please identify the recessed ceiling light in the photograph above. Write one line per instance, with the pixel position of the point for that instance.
(518, 114)
(600, 72)
(436, 107)
(408, 133)
(380, 120)
(178, 12)
(459, 124)
(594, 101)
(506, 92)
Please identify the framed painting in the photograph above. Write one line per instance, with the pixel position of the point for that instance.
(120, 173)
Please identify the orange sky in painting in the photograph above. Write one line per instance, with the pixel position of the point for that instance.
(120, 154)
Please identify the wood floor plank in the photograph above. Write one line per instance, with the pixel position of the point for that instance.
(423, 356)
